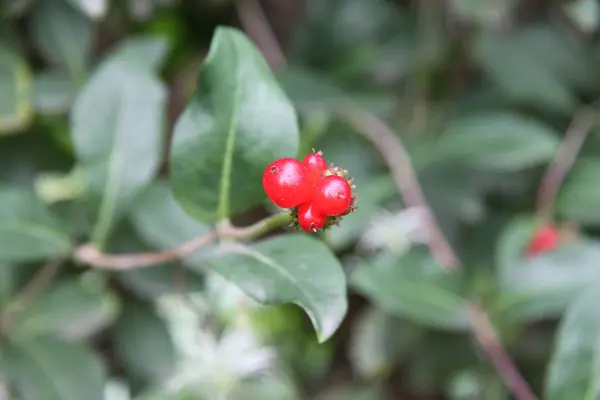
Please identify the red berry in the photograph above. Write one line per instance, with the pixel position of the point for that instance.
(309, 219)
(286, 182)
(316, 164)
(332, 195)
(544, 240)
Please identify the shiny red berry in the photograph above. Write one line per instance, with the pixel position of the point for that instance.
(544, 240)
(332, 195)
(309, 219)
(286, 182)
(316, 164)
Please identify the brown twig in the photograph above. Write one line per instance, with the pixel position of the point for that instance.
(565, 157)
(90, 255)
(255, 23)
(398, 161)
(504, 365)
(30, 292)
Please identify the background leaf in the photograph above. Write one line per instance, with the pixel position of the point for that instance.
(574, 368)
(28, 231)
(63, 34)
(501, 141)
(143, 342)
(49, 369)
(15, 86)
(578, 198)
(414, 287)
(121, 102)
(238, 122)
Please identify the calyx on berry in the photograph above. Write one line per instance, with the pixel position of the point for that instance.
(318, 196)
(545, 239)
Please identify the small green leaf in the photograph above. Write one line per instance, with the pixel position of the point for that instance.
(237, 123)
(28, 231)
(49, 369)
(144, 343)
(545, 285)
(575, 365)
(499, 140)
(117, 129)
(291, 268)
(63, 34)
(53, 93)
(15, 86)
(68, 309)
(413, 286)
(579, 198)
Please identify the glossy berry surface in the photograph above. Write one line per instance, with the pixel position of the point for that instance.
(332, 195)
(286, 182)
(544, 240)
(309, 219)
(316, 164)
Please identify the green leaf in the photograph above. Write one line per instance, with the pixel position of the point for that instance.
(413, 286)
(122, 102)
(237, 123)
(545, 285)
(144, 343)
(49, 369)
(498, 140)
(575, 365)
(535, 66)
(28, 231)
(580, 195)
(291, 268)
(53, 93)
(9, 282)
(15, 86)
(584, 13)
(63, 34)
(69, 309)
(313, 93)
(94, 9)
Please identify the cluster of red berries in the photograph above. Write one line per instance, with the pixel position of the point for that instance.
(545, 239)
(321, 194)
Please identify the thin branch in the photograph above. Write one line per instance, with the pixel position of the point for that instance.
(30, 292)
(90, 255)
(398, 161)
(504, 365)
(565, 157)
(256, 25)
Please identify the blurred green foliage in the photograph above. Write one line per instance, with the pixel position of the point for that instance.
(139, 125)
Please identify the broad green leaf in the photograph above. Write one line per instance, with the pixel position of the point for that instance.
(49, 369)
(94, 9)
(15, 86)
(154, 282)
(69, 309)
(579, 197)
(536, 66)
(63, 34)
(53, 93)
(144, 343)
(291, 268)
(413, 286)
(584, 13)
(498, 140)
(117, 129)
(313, 93)
(574, 369)
(543, 286)
(237, 123)
(28, 231)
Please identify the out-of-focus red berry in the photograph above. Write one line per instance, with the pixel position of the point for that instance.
(544, 240)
